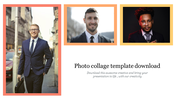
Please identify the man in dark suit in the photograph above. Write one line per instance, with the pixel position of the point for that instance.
(146, 34)
(31, 60)
(91, 34)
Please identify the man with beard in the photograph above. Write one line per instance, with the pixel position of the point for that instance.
(91, 34)
(146, 34)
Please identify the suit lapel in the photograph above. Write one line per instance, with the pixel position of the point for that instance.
(36, 46)
(100, 39)
(141, 37)
(153, 37)
(27, 46)
(84, 38)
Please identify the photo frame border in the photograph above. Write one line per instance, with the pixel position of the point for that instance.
(4, 49)
(90, 5)
(146, 5)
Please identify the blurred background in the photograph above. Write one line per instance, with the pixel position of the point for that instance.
(76, 25)
(161, 22)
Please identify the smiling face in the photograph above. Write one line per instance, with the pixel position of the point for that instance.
(146, 22)
(34, 30)
(91, 20)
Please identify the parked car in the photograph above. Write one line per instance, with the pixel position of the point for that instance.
(9, 64)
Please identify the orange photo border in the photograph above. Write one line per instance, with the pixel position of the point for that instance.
(90, 5)
(4, 49)
(146, 5)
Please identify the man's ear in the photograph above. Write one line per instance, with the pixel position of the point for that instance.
(139, 22)
(84, 20)
(152, 21)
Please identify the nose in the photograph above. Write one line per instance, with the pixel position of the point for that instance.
(93, 21)
(146, 23)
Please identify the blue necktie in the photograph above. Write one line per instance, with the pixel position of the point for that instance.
(32, 46)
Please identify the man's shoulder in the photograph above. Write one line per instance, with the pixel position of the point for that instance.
(104, 38)
(42, 40)
(157, 33)
(158, 36)
(78, 38)
(135, 33)
(134, 36)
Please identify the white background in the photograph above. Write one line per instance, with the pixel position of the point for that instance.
(106, 20)
(76, 84)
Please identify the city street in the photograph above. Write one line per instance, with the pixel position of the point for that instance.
(48, 83)
(20, 26)
(8, 81)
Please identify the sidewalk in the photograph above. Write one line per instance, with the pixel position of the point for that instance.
(48, 83)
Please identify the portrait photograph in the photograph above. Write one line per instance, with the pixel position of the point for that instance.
(147, 24)
(90, 24)
(32, 50)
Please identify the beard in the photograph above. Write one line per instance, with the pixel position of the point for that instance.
(147, 31)
(92, 29)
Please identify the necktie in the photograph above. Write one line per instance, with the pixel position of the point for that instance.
(147, 37)
(91, 39)
(32, 46)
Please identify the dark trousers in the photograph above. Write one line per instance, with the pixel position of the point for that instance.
(34, 82)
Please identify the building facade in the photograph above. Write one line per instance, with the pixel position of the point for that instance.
(55, 45)
(10, 31)
(74, 28)
(24, 21)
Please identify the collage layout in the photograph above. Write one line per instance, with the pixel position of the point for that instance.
(84, 24)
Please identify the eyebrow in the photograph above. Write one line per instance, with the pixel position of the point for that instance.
(92, 17)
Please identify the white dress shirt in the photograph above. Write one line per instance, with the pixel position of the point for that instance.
(88, 35)
(143, 34)
(35, 42)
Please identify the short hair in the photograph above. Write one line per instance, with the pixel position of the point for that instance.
(35, 25)
(90, 10)
(144, 10)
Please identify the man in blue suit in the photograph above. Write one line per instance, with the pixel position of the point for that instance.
(31, 60)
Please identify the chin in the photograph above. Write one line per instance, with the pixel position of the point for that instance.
(147, 30)
(34, 36)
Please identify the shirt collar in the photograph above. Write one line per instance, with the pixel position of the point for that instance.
(35, 40)
(88, 35)
(143, 32)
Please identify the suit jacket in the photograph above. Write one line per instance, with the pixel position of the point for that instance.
(82, 39)
(34, 60)
(138, 37)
